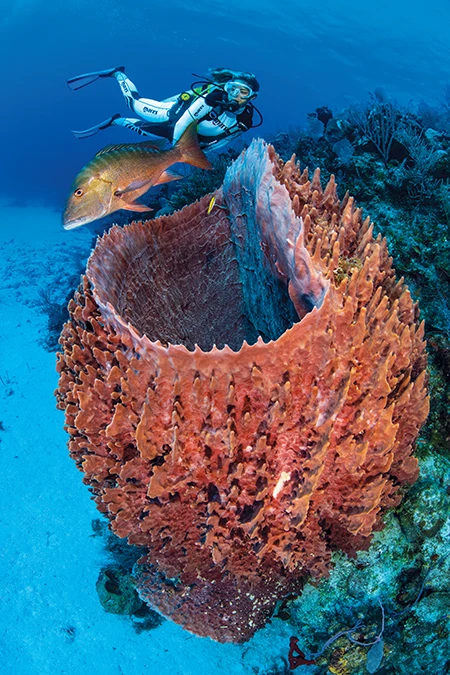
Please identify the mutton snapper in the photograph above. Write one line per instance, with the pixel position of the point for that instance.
(120, 174)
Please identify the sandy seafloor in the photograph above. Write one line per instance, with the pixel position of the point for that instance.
(51, 621)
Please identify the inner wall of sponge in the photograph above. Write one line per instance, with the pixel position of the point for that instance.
(190, 279)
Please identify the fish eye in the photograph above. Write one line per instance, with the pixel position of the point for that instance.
(78, 193)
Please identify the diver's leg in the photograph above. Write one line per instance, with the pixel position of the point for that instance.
(141, 127)
(148, 109)
(127, 88)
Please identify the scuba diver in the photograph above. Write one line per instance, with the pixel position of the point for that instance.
(221, 104)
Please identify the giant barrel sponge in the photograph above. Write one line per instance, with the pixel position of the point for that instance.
(243, 389)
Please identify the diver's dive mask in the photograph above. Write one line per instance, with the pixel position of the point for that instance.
(235, 88)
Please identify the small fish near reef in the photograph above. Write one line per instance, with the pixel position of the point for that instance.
(211, 205)
(120, 174)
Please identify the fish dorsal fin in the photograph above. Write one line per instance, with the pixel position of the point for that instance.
(162, 144)
(149, 146)
(112, 147)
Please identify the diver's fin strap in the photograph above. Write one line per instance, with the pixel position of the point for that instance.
(81, 81)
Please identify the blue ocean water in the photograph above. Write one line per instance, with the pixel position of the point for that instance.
(304, 55)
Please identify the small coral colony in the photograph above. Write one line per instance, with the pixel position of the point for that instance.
(245, 378)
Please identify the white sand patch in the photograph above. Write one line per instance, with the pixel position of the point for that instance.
(51, 621)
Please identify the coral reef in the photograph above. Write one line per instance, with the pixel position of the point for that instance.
(243, 390)
(116, 591)
(404, 185)
(407, 571)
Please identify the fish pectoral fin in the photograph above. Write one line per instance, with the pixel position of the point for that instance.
(133, 206)
(168, 176)
(135, 185)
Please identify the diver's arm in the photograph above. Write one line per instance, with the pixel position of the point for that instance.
(195, 112)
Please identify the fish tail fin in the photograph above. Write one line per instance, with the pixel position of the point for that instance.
(190, 150)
